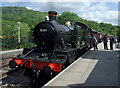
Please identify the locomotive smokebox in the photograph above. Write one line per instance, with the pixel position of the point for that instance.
(52, 15)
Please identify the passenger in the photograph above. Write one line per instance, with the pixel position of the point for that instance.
(95, 43)
(118, 40)
(105, 42)
(111, 43)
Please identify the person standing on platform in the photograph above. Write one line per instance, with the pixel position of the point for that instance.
(118, 40)
(111, 43)
(105, 42)
(95, 43)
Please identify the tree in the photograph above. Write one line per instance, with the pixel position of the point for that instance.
(94, 25)
(118, 31)
(10, 34)
(67, 15)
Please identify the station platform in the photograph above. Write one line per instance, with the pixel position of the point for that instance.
(94, 68)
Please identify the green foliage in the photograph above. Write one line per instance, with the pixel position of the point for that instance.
(28, 19)
(118, 31)
(67, 15)
(94, 25)
(10, 34)
(108, 29)
(21, 14)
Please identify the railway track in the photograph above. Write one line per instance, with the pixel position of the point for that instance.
(5, 57)
(4, 68)
(7, 74)
(5, 71)
(12, 80)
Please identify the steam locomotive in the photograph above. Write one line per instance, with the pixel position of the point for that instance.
(57, 46)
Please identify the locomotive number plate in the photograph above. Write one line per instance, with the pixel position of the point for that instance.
(43, 30)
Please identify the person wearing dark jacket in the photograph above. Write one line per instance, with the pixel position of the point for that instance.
(118, 40)
(111, 43)
(105, 42)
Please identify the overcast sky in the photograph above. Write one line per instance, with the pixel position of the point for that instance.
(102, 11)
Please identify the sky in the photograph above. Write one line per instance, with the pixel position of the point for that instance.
(100, 10)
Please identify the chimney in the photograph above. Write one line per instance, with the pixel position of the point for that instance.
(52, 15)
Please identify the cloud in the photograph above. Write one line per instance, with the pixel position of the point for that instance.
(57, 6)
(60, 6)
(28, 8)
(96, 11)
(107, 17)
(101, 13)
(60, 0)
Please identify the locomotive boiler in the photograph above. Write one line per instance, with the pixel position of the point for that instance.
(56, 46)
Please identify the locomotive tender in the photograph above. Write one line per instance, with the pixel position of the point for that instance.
(57, 46)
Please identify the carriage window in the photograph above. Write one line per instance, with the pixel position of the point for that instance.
(71, 28)
(78, 27)
(66, 28)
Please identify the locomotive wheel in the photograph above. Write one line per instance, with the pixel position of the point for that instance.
(67, 63)
(85, 50)
(32, 74)
(79, 53)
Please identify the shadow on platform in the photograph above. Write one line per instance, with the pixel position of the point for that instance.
(105, 72)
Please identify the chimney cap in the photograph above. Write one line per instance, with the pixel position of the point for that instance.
(53, 12)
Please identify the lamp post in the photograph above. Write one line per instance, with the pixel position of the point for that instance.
(18, 34)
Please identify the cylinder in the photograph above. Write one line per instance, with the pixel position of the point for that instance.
(14, 63)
